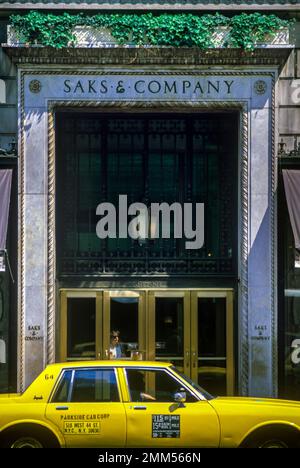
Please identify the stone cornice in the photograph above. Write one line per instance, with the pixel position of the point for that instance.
(146, 56)
(155, 5)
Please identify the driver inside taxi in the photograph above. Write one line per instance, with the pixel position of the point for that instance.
(136, 382)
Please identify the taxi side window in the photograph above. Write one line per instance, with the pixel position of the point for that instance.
(62, 392)
(154, 385)
(95, 385)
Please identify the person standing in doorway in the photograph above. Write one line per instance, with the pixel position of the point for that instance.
(115, 348)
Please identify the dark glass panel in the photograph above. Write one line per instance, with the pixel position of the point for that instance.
(124, 318)
(212, 327)
(169, 322)
(81, 327)
(212, 344)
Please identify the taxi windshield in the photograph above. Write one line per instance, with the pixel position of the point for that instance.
(197, 387)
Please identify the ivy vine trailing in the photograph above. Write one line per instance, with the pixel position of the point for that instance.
(173, 30)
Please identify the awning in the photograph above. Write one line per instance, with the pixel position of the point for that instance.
(5, 188)
(291, 179)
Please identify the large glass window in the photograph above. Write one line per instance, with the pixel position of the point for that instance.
(151, 158)
(289, 305)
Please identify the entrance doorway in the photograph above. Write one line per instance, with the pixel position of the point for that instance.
(193, 329)
(152, 158)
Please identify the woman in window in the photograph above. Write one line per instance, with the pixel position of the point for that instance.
(115, 348)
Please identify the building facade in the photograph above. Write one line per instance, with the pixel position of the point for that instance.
(154, 125)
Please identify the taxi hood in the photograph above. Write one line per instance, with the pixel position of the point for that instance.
(254, 401)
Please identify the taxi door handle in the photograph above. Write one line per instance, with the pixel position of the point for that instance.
(140, 407)
(62, 408)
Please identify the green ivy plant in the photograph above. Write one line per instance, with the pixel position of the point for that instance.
(247, 30)
(45, 29)
(172, 30)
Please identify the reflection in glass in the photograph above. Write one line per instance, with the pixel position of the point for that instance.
(124, 318)
(212, 376)
(212, 344)
(81, 328)
(292, 343)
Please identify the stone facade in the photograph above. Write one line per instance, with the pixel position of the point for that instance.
(250, 91)
(262, 86)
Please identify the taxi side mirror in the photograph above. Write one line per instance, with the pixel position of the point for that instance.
(180, 397)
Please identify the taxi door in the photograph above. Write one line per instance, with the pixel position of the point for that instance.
(155, 420)
(87, 408)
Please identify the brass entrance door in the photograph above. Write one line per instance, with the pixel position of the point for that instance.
(212, 363)
(169, 325)
(80, 325)
(124, 311)
(89, 316)
(192, 329)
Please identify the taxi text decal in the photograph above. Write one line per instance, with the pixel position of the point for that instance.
(83, 423)
(165, 426)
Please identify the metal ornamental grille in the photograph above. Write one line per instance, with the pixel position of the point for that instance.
(150, 158)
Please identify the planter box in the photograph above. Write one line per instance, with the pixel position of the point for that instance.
(85, 36)
(220, 36)
(13, 39)
(281, 39)
(90, 37)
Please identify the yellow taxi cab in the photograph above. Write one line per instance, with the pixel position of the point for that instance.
(138, 404)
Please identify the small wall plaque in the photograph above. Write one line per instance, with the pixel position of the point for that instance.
(35, 86)
(260, 87)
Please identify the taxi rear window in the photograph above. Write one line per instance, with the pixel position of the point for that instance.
(63, 389)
